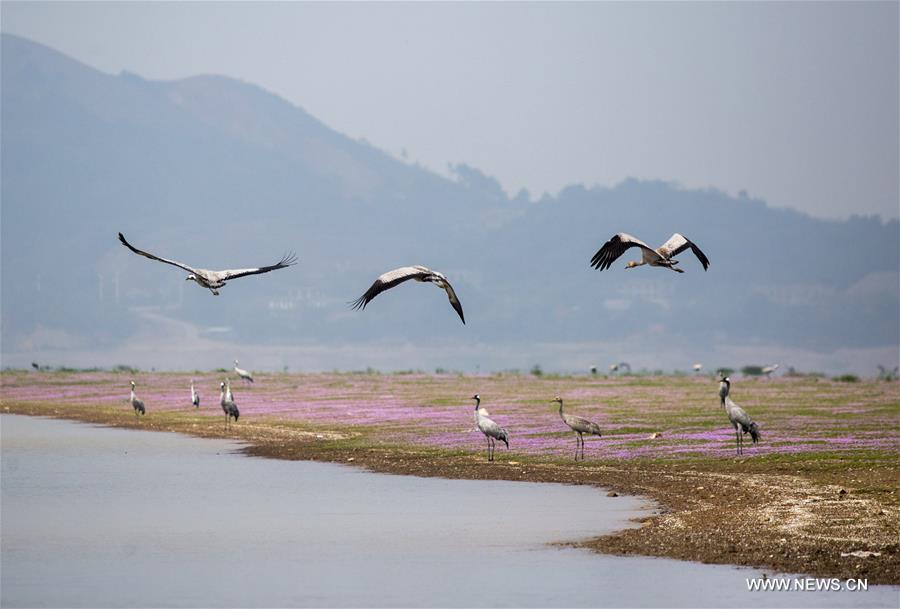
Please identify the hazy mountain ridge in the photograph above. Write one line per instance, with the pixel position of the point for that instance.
(220, 173)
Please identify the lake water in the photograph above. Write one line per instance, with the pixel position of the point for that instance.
(99, 517)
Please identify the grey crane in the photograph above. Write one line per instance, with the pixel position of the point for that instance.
(136, 403)
(245, 376)
(738, 416)
(697, 368)
(226, 399)
(768, 370)
(491, 430)
(579, 425)
(887, 375)
(213, 280)
(620, 367)
(420, 273)
(195, 397)
(663, 256)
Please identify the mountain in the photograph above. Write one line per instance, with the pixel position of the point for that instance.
(221, 174)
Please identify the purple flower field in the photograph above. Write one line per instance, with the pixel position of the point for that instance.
(795, 415)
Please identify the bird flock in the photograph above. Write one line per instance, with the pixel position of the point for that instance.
(492, 431)
(614, 248)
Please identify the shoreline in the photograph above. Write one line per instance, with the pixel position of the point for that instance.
(778, 521)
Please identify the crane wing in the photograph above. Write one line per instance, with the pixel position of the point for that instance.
(389, 280)
(286, 260)
(676, 244)
(614, 248)
(738, 414)
(454, 301)
(180, 265)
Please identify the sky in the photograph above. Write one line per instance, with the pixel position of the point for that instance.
(793, 103)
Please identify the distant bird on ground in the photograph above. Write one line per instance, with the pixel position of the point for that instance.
(398, 276)
(491, 430)
(213, 279)
(579, 425)
(229, 397)
(768, 370)
(195, 397)
(245, 376)
(887, 375)
(136, 403)
(663, 256)
(698, 368)
(35, 366)
(593, 369)
(739, 418)
(620, 367)
(228, 406)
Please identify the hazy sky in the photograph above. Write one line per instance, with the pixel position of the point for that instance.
(796, 103)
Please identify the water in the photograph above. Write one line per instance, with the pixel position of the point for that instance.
(97, 517)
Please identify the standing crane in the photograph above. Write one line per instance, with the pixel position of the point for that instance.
(491, 430)
(738, 416)
(228, 406)
(697, 368)
(229, 397)
(195, 397)
(579, 425)
(887, 375)
(768, 370)
(620, 367)
(136, 403)
(663, 256)
(245, 376)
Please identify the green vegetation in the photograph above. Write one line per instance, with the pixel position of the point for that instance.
(847, 378)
